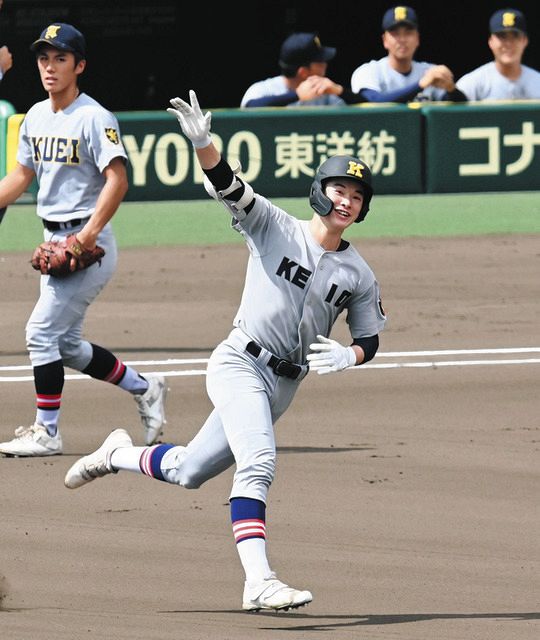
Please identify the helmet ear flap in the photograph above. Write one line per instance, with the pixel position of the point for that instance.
(365, 208)
(319, 201)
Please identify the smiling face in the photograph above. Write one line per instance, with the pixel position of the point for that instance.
(508, 47)
(347, 196)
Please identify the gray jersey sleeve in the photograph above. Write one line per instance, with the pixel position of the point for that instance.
(103, 136)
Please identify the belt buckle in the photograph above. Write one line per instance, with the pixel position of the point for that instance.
(286, 368)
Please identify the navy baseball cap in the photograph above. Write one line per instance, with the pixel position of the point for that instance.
(63, 37)
(507, 20)
(398, 17)
(303, 48)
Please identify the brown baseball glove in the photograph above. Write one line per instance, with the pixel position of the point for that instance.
(60, 258)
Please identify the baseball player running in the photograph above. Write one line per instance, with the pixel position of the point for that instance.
(72, 144)
(301, 276)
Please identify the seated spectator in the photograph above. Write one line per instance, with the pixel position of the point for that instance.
(505, 77)
(398, 77)
(303, 62)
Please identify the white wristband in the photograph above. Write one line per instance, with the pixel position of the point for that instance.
(351, 357)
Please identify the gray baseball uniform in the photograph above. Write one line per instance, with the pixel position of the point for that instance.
(293, 291)
(68, 151)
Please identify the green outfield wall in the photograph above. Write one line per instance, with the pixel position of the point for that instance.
(482, 148)
(420, 148)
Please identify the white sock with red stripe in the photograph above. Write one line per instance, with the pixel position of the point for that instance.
(248, 518)
(48, 411)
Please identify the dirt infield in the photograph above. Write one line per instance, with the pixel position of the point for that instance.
(406, 495)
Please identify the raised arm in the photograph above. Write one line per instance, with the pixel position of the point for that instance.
(221, 181)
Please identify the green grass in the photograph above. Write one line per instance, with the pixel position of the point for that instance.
(205, 222)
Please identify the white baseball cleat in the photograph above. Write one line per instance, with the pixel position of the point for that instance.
(151, 405)
(273, 595)
(97, 464)
(32, 441)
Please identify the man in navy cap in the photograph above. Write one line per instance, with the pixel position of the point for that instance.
(398, 77)
(303, 61)
(505, 77)
(72, 146)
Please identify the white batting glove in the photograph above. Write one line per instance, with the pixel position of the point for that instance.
(194, 124)
(330, 356)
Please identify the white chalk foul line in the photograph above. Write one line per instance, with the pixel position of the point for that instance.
(426, 364)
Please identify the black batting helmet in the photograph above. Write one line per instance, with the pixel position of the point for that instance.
(340, 167)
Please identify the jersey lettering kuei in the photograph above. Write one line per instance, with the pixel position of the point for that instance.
(68, 151)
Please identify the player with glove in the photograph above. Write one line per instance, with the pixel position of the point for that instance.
(301, 276)
(71, 144)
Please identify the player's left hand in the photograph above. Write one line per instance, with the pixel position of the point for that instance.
(328, 356)
(194, 124)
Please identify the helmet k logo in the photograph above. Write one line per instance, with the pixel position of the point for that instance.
(355, 169)
(52, 31)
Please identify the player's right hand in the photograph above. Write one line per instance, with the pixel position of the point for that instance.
(438, 76)
(194, 124)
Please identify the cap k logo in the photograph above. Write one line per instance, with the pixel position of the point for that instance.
(52, 31)
(400, 13)
(509, 19)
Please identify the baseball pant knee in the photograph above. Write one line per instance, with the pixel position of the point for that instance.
(254, 480)
(180, 466)
(76, 355)
(42, 348)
